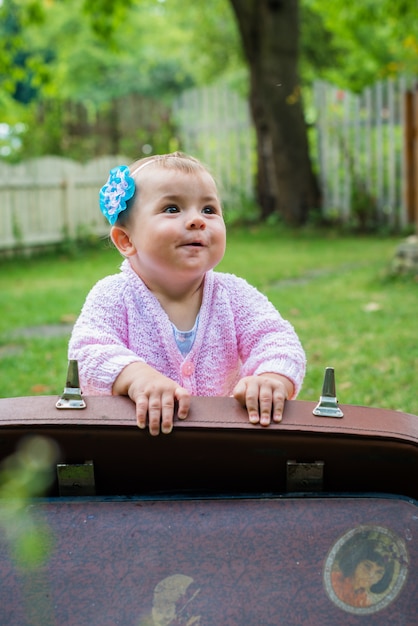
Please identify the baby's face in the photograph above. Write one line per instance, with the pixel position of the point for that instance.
(176, 226)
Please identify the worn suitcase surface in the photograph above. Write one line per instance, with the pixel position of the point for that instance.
(313, 521)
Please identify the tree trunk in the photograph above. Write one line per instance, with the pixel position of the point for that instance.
(269, 32)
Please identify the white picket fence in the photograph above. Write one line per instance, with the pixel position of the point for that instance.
(46, 200)
(360, 159)
(360, 150)
(215, 126)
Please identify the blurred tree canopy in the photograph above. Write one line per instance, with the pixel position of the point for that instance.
(92, 52)
(365, 40)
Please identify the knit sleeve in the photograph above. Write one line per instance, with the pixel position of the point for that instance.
(99, 338)
(266, 341)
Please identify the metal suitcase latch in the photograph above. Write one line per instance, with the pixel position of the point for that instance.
(71, 396)
(328, 404)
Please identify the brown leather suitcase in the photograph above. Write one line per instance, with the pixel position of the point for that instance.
(216, 450)
(310, 522)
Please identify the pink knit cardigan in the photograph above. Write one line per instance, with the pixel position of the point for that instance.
(240, 333)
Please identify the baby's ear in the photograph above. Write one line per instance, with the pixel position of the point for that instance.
(122, 241)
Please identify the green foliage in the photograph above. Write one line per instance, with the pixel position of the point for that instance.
(106, 16)
(97, 50)
(27, 473)
(320, 51)
(92, 53)
(370, 40)
(93, 50)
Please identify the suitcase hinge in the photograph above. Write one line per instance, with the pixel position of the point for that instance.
(307, 477)
(76, 479)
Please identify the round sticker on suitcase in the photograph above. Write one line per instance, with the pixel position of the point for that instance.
(366, 569)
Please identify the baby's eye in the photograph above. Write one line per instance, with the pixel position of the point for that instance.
(209, 210)
(171, 209)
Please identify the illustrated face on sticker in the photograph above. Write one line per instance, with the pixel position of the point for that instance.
(173, 602)
(365, 569)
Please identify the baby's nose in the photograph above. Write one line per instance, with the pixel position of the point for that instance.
(196, 222)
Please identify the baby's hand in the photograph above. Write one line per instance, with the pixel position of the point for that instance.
(263, 396)
(155, 397)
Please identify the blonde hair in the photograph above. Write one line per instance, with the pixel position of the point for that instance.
(173, 160)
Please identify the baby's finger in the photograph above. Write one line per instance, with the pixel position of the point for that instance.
(265, 401)
(239, 391)
(251, 402)
(279, 399)
(154, 413)
(183, 398)
(167, 412)
(141, 410)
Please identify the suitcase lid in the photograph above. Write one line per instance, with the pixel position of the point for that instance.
(368, 450)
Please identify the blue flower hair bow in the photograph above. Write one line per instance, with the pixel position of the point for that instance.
(119, 188)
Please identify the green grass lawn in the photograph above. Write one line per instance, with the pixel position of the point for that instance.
(334, 289)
